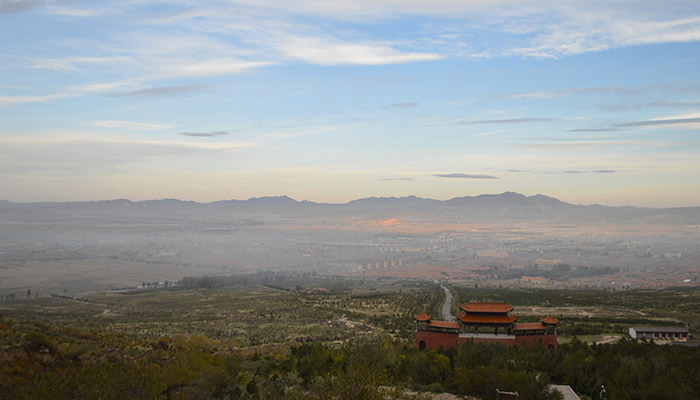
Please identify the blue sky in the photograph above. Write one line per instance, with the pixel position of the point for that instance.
(589, 102)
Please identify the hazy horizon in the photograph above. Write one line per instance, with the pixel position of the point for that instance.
(595, 102)
(332, 203)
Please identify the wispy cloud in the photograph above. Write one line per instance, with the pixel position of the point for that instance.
(466, 176)
(646, 105)
(335, 51)
(404, 105)
(508, 121)
(597, 171)
(662, 121)
(547, 94)
(583, 130)
(11, 100)
(593, 145)
(204, 134)
(162, 91)
(78, 64)
(131, 125)
(492, 132)
(575, 30)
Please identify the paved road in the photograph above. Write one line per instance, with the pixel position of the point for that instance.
(448, 304)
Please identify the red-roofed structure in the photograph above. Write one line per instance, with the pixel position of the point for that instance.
(444, 324)
(533, 326)
(484, 322)
(487, 319)
(492, 308)
(422, 317)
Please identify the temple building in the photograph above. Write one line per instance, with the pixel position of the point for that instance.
(484, 322)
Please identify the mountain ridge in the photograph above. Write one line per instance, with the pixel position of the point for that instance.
(503, 207)
(505, 198)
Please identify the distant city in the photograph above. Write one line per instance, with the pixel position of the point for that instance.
(507, 240)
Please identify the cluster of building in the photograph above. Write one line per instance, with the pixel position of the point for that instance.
(492, 322)
(484, 322)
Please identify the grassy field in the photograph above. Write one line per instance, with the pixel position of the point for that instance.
(272, 336)
(239, 316)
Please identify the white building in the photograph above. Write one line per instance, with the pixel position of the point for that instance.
(656, 332)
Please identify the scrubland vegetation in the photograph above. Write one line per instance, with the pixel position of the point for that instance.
(286, 337)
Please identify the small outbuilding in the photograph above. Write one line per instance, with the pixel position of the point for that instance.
(658, 332)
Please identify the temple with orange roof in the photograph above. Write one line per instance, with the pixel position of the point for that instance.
(484, 322)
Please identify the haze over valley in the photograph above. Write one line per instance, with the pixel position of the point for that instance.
(506, 239)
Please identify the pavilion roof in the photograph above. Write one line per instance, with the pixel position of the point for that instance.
(471, 307)
(549, 320)
(444, 324)
(422, 317)
(529, 326)
(486, 319)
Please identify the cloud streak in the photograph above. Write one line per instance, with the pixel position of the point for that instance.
(12, 100)
(204, 134)
(334, 51)
(508, 121)
(465, 176)
(131, 125)
(162, 91)
(492, 132)
(661, 122)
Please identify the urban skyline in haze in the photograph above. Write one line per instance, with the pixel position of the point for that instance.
(595, 102)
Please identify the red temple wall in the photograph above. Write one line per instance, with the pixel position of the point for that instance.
(436, 340)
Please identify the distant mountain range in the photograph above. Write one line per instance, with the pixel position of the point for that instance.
(508, 206)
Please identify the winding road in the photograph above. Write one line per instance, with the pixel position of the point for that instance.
(448, 305)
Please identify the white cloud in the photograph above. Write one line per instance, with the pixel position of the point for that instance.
(206, 68)
(76, 64)
(101, 87)
(10, 100)
(682, 121)
(131, 125)
(322, 51)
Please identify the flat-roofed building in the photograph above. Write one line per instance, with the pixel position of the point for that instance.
(658, 332)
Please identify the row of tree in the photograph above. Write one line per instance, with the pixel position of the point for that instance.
(371, 368)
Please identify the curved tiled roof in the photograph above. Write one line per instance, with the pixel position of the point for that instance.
(444, 324)
(529, 326)
(486, 307)
(549, 320)
(486, 319)
(422, 317)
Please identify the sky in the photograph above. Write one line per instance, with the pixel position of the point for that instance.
(330, 101)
